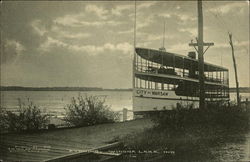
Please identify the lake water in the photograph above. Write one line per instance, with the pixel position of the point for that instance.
(55, 101)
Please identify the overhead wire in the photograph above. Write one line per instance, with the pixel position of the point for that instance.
(223, 23)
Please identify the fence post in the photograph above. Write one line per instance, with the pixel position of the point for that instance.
(247, 105)
(124, 113)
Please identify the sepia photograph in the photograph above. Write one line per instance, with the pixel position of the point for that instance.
(124, 81)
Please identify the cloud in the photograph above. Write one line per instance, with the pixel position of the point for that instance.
(179, 47)
(99, 11)
(144, 22)
(86, 40)
(51, 43)
(15, 44)
(75, 35)
(129, 31)
(79, 21)
(62, 33)
(192, 31)
(182, 18)
(10, 51)
(165, 15)
(242, 43)
(237, 44)
(185, 17)
(68, 20)
(149, 37)
(124, 47)
(226, 8)
(145, 5)
(117, 11)
(143, 44)
(38, 27)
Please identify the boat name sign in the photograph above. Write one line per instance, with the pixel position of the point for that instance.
(155, 93)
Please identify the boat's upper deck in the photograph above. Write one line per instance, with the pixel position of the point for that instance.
(153, 64)
(175, 60)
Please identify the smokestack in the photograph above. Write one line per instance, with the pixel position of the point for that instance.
(192, 54)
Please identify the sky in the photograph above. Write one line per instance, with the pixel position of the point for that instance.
(90, 43)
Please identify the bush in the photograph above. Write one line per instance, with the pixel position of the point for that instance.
(212, 119)
(193, 134)
(27, 118)
(89, 110)
(3, 120)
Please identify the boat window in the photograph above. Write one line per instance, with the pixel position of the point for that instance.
(157, 85)
(153, 85)
(143, 84)
(165, 86)
(171, 86)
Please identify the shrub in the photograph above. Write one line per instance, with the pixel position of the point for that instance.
(193, 134)
(27, 118)
(213, 119)
(89, 110)
(3, 120)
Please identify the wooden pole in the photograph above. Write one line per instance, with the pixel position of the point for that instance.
(125, 114)
(235, 70)
(200, 56)
(134, 59)
(163, 45)
(201, 53)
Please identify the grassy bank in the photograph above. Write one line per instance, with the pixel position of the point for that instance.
(190, 134)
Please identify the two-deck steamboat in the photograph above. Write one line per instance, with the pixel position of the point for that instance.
(164, 80)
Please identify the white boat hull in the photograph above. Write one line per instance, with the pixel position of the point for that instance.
(145, 100)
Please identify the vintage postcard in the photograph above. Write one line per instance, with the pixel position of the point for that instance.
(124, 81)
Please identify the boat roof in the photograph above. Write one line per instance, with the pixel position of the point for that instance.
(157, 55)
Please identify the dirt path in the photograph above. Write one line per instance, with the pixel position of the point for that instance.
(46, 145)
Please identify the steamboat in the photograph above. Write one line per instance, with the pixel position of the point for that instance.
(163, 80)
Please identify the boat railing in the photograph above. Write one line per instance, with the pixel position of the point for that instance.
(157, 69)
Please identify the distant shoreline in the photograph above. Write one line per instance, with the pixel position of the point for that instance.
(18, 88)
(241, 89)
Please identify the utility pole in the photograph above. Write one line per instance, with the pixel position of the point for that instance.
(134, 58)
(235, 69)
(201, 53)
(163, 42)
(200, 56)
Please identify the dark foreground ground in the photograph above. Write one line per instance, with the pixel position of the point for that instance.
(51, 144)
(46, 145)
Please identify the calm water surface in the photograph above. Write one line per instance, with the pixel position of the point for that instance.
(56, 101)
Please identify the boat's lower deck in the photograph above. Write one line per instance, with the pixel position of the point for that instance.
(145, 100)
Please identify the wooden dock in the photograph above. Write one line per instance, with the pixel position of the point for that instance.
(48, 145)
(94, 154)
